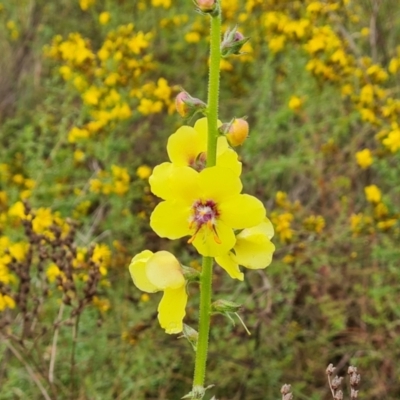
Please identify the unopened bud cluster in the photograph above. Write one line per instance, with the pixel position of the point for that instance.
(233, 42)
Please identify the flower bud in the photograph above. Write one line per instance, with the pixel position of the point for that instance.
(190, 274)
(191, 335)
(236, 131)
(233, 42)
(206, 6)
(187, 106)
(225, 306)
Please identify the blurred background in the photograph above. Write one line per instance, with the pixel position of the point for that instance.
(87, 92)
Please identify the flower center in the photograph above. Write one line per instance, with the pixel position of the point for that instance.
(204, 213)
(199, 163)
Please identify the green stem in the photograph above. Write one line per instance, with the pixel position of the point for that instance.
(204, 322)
(207, 268)
(213, 90)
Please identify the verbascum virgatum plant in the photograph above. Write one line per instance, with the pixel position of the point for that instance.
(202, 198)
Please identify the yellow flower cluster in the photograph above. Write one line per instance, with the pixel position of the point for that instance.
(283, 221)
(15, 176)
(110, 81)
(379, 217)
(49, 228)
(314, 223)
(12, 30)
(313, 27)
(115, 182)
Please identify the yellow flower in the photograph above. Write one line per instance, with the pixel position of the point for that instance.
(43, 220)
(295, 103)
(381, 211)
(143, 172)
(17, 210)
(373, 194)
(120, 188)
(102, 256)
(253, 249)
(365, 32)
(102, 304)
(193, 37)
(76, 134)
(277, 43)
(148, 106)
(19, 250)
(104, 18)
(6, 302)
(289, 259)
(386, 225)
(394, 65)
(314, 223)
(161, 3)
(144, 298)
(95, 185)
(111, 80)
(18, 179)
(282, 224)
(206, 205)
(85, 4)
(79, 155)
(53, 271)
(188, 147)
(393, 140)
(29, 183)
(120, 173)
(364, 158)
(161, 271)
(162, 91)
(91, 96)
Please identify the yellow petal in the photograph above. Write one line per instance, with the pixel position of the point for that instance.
(171, 219)
(185, 145)
(164, 271)
(253, 251)
(157, 179)
(241, 211)
(211, 244)
(222, 145)
(137, 268)
(184, 184)
(218, 183)
(171, 182)
(171, 309)
(229, 159)
(201, 127)
(264, 228)
(230, 266)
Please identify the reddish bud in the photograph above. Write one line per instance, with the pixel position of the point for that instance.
(206, 6)
(187, 106)
(180, 104)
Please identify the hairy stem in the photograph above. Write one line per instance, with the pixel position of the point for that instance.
(206, 275)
